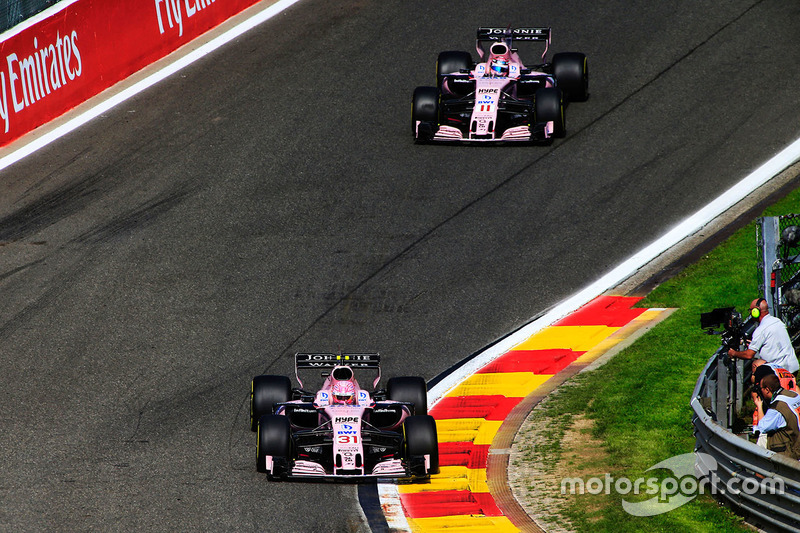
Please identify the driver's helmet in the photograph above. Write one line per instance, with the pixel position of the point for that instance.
(499, 67)
(344, 392)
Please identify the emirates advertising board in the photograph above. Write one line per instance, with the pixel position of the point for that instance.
(84, 47)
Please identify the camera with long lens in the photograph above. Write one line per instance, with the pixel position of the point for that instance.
(735, 332)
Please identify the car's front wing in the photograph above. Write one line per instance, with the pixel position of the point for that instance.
(417, 466)
(426, 131)
(390, 468)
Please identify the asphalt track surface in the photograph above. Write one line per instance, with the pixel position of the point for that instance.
(268, 199)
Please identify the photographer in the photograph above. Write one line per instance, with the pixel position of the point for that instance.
(760, 370)
(781, 422)
(770, 340)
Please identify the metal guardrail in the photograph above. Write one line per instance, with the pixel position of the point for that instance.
(12, 12)
(739, 461)
(724, 457)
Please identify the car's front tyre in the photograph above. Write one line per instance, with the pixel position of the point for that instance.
(421, 439)
(424, 109)
(274, 439)
(549, 106)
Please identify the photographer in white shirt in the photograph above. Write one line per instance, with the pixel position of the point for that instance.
(770, 341)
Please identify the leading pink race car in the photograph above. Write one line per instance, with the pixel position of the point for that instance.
(342, 431)
(499, 98)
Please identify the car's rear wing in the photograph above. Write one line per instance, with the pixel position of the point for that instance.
(517, 34)
(331, 360)
(509, 35)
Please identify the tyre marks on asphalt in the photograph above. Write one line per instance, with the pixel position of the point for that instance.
(464, 496)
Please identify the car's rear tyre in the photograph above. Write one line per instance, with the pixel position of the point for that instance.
(266, 391)
(453, 61)
(409, 389)
(571, 70)
(420, 437)
(549, 105)
(275, 439)
(424, 108)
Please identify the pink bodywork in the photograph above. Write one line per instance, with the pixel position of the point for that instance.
(484, 114)
(488, 89)
(346, 421)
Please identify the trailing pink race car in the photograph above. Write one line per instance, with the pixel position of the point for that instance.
(499, 98)
(342, 430)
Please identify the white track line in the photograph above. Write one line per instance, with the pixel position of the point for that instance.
(205, 49)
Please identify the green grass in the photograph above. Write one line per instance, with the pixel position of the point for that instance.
(639, 401)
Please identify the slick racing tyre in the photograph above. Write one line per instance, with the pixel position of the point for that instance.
(572, 75)
(275, 439)
(424, 108)
(549, 105)
(409, 389)
(420, 437)
(450, 62)
(265, 391)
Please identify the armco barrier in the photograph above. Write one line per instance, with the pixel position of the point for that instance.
(79, 48)
(739, 462)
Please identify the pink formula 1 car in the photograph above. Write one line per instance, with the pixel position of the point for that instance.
(499, 98)
(342, 431)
